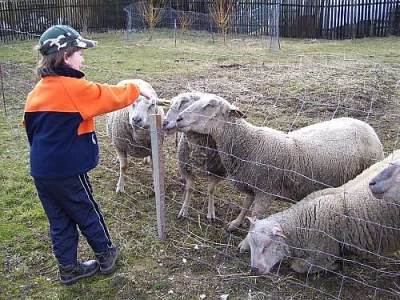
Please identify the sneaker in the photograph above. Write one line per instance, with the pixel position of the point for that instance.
(69, 274)
(107, 260)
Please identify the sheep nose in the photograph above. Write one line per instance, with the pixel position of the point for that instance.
(165, 123)
(136, 121)
(372, 183)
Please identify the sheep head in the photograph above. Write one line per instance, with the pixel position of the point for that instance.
(207, 114)
(386, 184)
(178, 104)
(140, 111)
(267, 243)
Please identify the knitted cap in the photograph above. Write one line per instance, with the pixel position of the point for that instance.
(59, 37)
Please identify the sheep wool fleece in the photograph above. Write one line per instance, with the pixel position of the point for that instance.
(59, 123)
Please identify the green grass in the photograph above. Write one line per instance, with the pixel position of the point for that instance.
(149, 268)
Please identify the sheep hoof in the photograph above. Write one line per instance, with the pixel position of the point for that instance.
(233, 227)
(211, 219)
(183, 213)
(244, 246)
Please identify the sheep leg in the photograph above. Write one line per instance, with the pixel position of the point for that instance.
(313, 264)
(213, 181)
(123, 166)
(244, 245)
(189, 179)
(148, 161)
(260, 207)
(235, 224)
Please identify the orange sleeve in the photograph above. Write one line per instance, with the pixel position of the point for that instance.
(93, 99)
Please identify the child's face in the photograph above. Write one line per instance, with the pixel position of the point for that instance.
(75, 60)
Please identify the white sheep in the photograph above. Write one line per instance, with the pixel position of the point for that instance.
(264, 163)
(315, 231)
(197, 154)
(128, 129)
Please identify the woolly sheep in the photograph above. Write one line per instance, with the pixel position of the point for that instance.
(263, 163)
(315, 231)
(386, 184)
(197, 154)
(128, 129)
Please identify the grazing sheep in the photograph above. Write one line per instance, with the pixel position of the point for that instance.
(386, 184)
(263, 162)
(315, 231)
(128, 129)
(197, 154)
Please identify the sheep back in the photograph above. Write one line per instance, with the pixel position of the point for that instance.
(321, 155)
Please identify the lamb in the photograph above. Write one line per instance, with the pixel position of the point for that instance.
(386, 184)
(315, 231)
(128, 129)
(197, 154)
(263, 163)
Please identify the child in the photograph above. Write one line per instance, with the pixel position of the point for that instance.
(59, 123)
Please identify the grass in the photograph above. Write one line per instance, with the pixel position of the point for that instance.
(299, 84)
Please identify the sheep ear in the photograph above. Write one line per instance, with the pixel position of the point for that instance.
(279, 231)
(236, 112)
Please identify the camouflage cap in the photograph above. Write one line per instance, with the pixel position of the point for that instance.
(59, 37)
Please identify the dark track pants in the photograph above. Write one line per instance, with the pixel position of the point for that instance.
(69, 204)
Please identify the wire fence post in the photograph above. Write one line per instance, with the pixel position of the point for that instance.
(275, 12)
(2, 92)
(158, 172)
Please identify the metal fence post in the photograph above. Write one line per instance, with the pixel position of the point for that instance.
(274, 41)
(158, 172)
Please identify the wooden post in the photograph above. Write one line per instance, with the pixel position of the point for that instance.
(158, 172)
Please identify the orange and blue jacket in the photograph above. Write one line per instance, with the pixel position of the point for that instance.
(59, 123)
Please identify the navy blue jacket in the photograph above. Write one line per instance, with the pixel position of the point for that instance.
(59, 122)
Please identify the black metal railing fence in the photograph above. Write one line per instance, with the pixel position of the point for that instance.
(327, 19)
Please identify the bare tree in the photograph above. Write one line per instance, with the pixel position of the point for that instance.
(186, 20)
(221, 12)
(151, 14)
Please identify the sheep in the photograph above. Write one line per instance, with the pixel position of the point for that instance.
(128, 129)
(316, 230)
(386, 184)
(196, 154)
(262, 162)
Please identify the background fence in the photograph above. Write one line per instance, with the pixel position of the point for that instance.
(322, 19)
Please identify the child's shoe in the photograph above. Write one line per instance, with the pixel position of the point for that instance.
(107, 260)
(71, 273)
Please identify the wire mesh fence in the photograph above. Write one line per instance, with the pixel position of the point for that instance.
(285, 93)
